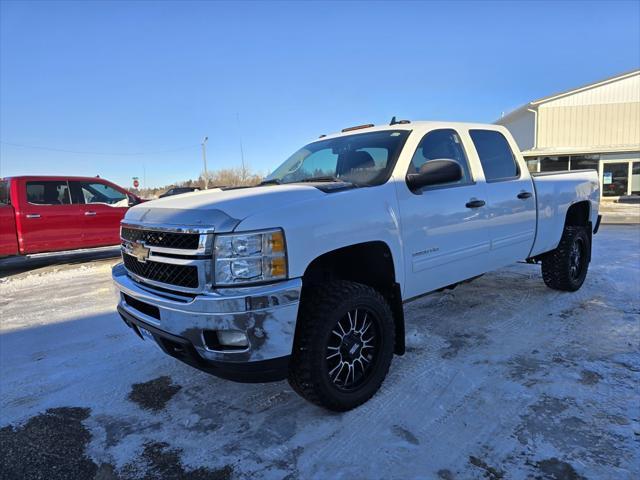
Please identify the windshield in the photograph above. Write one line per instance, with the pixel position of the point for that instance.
(363, 159)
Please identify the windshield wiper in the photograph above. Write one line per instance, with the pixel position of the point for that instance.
(324, 178)
(273, 181)
(319, 179)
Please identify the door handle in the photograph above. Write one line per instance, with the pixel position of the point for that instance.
(524, 195)
(89, 214)
(475, 204)
(33, 215)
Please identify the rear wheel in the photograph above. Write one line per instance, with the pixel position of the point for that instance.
(344, 345)
(565, 268)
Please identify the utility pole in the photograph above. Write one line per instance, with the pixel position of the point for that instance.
(243, 170)
(204, 159)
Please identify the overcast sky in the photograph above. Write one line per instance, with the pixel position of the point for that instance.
(123, 88)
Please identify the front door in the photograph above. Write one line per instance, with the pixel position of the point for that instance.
(8, 237)
(49, 220)
(103, 207)
(444, 227)
(511, 202)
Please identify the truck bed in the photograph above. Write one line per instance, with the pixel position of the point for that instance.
(555, 193)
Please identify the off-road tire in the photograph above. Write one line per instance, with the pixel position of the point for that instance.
(557, 264)
(320, 310)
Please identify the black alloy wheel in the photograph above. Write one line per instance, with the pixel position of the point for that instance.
(575, 258)
(343, 346)
(352, 348)
(565, 268)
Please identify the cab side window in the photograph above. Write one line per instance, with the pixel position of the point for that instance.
(496, 157)
(438, 145)
(101, 193)
(48, 193)
(4, 192)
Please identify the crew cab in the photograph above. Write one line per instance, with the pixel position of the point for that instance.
(46, 214)
(304, 277)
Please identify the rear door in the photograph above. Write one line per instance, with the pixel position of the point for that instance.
(103, 207)
(48, 220)
(511, 201)
(444, 227)
(8, 236)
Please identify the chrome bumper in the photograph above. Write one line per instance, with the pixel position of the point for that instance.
(267, 314)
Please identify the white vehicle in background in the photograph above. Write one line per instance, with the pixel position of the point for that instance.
(304, 276)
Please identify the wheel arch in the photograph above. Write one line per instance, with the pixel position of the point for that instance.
(578, 214)
(370, 263)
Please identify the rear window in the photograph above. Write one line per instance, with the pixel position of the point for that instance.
(48, 193)
(496, 157)
(4, 192)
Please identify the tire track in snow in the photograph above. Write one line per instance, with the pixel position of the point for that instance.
(398, 392)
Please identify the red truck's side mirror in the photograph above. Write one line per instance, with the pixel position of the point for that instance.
(435, 172)
(133, 201)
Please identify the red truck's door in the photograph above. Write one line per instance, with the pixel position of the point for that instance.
(103, 207)
(47, 220)
(8, 235)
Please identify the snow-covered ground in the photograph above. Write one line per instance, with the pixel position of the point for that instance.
(503, 378)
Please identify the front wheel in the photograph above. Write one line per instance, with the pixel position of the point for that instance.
(565, 268)
(344, 345)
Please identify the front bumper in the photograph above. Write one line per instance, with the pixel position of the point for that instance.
(266, 314)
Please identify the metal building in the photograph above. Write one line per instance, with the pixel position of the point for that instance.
(593, 126)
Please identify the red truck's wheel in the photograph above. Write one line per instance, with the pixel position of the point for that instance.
(566, 267)
(344, 345)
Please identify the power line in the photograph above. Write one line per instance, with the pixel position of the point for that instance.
(21, 145)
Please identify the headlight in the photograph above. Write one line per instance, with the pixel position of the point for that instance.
(249, 258)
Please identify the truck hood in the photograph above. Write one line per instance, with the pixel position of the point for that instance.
(219, 209)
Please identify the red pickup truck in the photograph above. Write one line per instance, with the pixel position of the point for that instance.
(47, 214)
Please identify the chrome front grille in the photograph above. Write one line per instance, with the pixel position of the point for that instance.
(188, 241)
(178, 275)
(168, 257)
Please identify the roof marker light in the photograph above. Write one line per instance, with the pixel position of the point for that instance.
(357, 127)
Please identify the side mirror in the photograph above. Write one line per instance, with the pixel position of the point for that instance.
(435, 172)
(133, 201)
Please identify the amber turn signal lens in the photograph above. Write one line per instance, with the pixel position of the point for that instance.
(278, 267)
(276, 242)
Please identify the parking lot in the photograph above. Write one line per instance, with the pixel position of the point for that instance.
(503, 378)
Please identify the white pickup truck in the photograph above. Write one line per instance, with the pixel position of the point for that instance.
(305, 276)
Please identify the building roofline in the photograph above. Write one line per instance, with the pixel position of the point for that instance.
(555, 96)
(515, 112)
(588, 86)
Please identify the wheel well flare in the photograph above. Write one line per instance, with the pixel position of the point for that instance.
(369, 263)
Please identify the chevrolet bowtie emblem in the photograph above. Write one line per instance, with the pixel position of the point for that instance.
(139, 251)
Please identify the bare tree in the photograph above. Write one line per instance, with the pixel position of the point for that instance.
(226, 177)
(232, 177)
